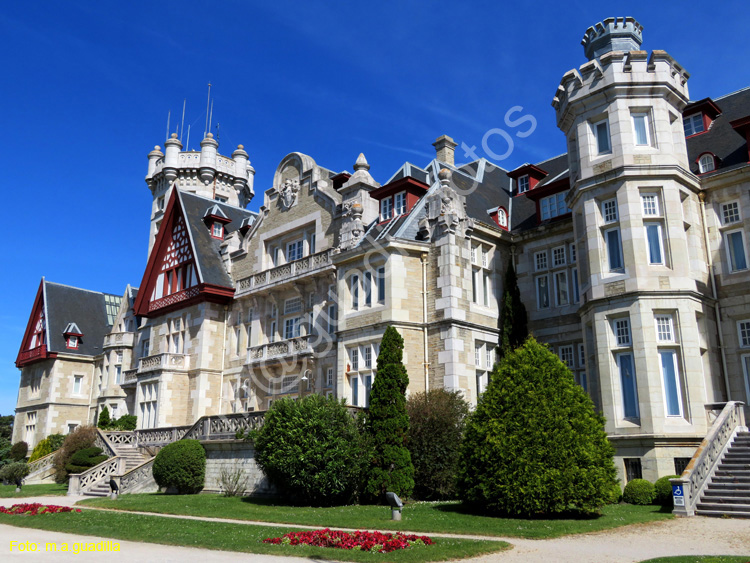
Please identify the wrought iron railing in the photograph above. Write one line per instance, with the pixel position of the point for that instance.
(707, 457)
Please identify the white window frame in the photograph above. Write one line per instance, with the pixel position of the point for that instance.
(295, 250)
(745, 359)
(689, 122)
(611, 266)
(731, 258)
(540, 261)
(539, 302)
(558, 256)
(743, 333)
(598, 139)
(573, 252)
(581, 355)
(399, 203)
(660, 235)
(562, 291)
(665, 330)
(732, 210)
(621, 331)
(677, 382)
(646, 128)
(217, 230)
(292, 327)
(292, 305)
(618, 360)
(706, 163)
(523, 184)
(650, 204)
(386, 208)
(354, 358)
(77, 382)
(354, 291)
(610, 211)
(381, 284)
(567, 356)
(576, 288)
(329, 377)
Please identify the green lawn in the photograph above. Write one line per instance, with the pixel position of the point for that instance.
(231, 537)
(701, 559)
(9, 491)
(447, 517)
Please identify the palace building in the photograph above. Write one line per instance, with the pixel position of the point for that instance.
(631, 252)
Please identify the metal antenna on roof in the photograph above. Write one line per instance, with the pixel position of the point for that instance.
(210, 116)
(182, 124)
(169, 113)
(208, 102)
(187, 145)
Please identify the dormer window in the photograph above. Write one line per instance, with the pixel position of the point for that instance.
(72, 336)
(217, 230)
(523, 184)
(502, 218)
(386, 208)
(693, 124)
(400, 203)
(706, 163)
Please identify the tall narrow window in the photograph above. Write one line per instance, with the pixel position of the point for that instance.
(614, 250)
(331, 319)
(355, 391)
(664, 328)
(622, 332)
(354, 356)
(540, 261)
(628, 384)
(367, 380)
(354, 290)
(609, 211)
(735, 243)
(329, 377)
(561, 288)
(693, 124)
(381, 285)
(601, 132)
(707, 163)
(386, 208)
(670, 377)
(368, 288)
(743, 330)
(576, 291)
(486, 288)
(655, 243)
(400, 203)
(542, 292)
(640, 128)
(523, 184)
(730, 213)
(294, 250)
(77, 380)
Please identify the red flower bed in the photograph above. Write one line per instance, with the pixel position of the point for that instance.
(35, 508)
(364, 541)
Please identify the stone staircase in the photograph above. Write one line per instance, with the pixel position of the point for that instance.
(133, 458)
(728, 493)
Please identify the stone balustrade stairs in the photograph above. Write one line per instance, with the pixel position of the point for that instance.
(728, 493)
(133, 458)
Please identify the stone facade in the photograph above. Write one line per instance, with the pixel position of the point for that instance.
(622, 252)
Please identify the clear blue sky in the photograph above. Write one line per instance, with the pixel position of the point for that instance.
(87, 87)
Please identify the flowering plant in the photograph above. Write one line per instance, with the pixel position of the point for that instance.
(376, 542)
(35, 508)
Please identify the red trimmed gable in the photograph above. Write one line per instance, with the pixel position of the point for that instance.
(34, 343)
(708, 111)
(172, 279)
(412, 189)
(534, 173)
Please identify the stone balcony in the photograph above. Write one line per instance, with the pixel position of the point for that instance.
(129, 377)
(160, 362)
(119, 339)
(284, 350)
(312, 265)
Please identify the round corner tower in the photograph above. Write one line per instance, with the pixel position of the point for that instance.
(646, 308)
(204, 172)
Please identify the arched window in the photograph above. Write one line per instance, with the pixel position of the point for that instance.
(502, 217)
(707, 163)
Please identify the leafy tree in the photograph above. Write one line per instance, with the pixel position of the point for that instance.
(535, 445)
(5, 446)
(82, 437)
(6, 426)
(513, 320)
(125, 422)
(311, 450)
(391, 468)
(14, 472)
(436, 424)
(104, 419)
(181, 465)
(19, 450)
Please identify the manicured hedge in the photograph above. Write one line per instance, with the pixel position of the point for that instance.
(181, 466)
(639, 491)
(663, 490)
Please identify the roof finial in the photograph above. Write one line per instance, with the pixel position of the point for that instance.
(361, 163)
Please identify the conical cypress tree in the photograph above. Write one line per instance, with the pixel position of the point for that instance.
(391, 468)
(513, 321)
(535, 444)
(104, 418)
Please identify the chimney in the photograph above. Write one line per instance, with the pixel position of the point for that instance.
(445, 148)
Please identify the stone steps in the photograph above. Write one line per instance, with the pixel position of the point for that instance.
(728, 493)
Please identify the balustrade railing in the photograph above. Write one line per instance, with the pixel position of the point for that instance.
(159, 436)
(129, 376)
(225, 426)
(177, 297)
(102, 441)
(272, 350)
(285, 272)
(42, 464)
(119, 339)
(121, 438)
(137, 476)
(164, 361)
(80, 483)
(708, 455)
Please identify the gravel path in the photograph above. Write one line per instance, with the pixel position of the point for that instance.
(681, 536)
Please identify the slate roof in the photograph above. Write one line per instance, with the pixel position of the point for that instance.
(721, 139)
(64, 304)
(205, 247)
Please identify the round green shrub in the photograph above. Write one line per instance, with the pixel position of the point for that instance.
(125, 422)
(436, 424)
(19, 450)
(50, 444)
(535, 444)
(85, 459)
(14, 471)
(663, 490)
(311, 450)
(638, 491)
(181, 466)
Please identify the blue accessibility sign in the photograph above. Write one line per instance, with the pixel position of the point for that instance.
(677, 491)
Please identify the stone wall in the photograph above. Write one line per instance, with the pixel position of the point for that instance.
(230, 455)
